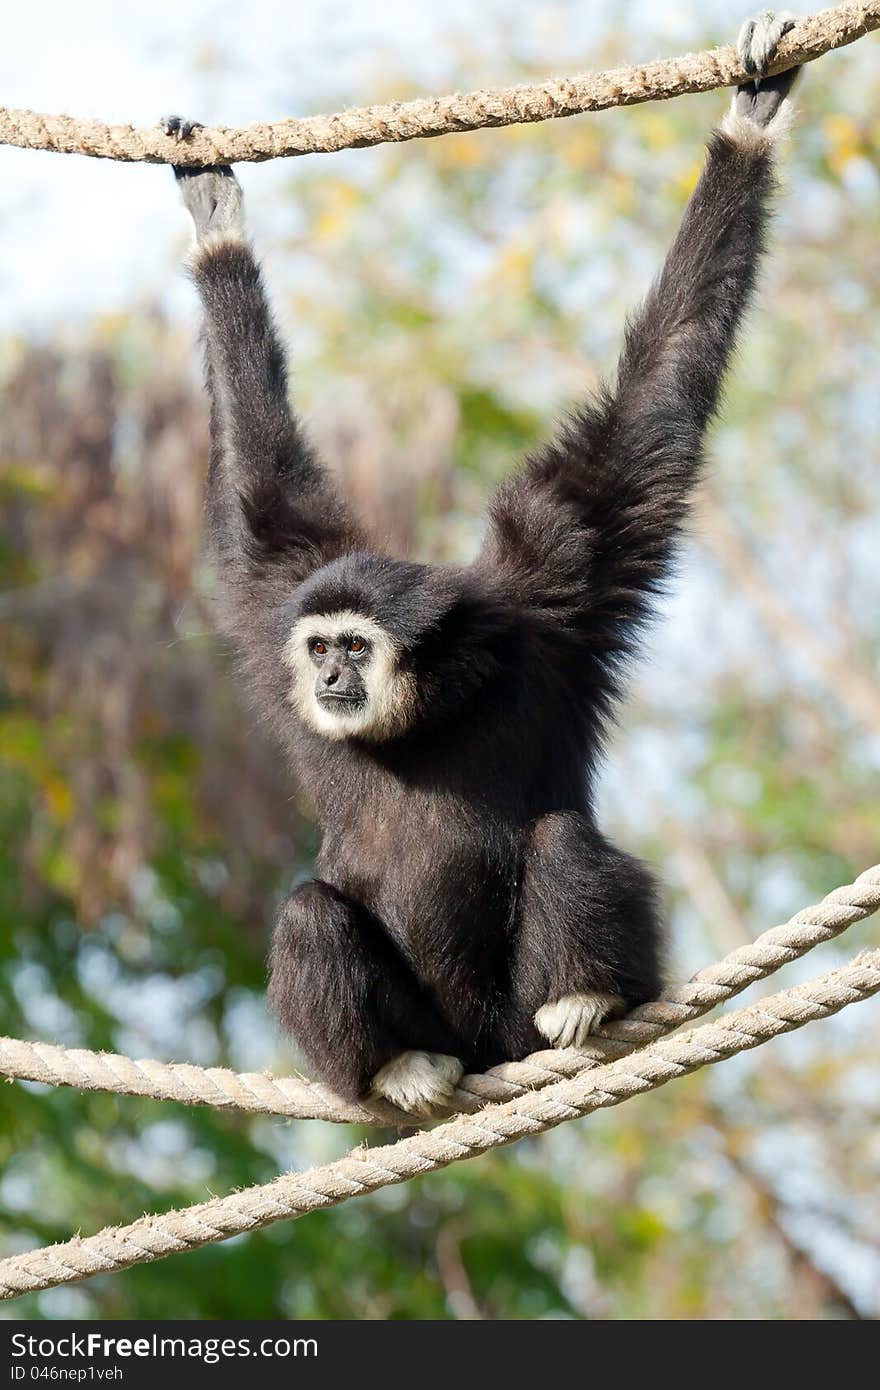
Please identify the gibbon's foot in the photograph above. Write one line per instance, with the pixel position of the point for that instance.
(569, 1021)
(420, 1082)
(760, 100)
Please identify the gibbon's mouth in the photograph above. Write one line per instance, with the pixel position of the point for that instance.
(330, 697)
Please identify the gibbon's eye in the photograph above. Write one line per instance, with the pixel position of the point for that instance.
(357, 646)
(319, 648)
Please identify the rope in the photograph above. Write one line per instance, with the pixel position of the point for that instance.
(465, 1136)
(413, 120)
(299, 1098)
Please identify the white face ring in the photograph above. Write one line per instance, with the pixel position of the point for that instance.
(390, 691)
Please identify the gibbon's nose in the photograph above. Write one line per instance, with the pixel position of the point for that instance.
(331, 677)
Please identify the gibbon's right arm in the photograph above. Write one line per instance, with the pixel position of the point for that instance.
(585, 534)
(273, 514)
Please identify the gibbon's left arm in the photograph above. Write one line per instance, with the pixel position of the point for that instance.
(584, 535)
(272, 513)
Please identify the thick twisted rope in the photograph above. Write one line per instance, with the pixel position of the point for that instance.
(299, 1098)
(465, 1136)
(460, 111)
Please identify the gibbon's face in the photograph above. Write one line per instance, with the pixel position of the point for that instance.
(347, 681)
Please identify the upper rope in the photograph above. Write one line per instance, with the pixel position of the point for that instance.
(427, 116)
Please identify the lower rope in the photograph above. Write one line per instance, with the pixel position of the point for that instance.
(463, 1137)
(299, 1098)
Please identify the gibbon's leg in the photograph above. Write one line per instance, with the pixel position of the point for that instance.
(341, 987)
(589, 936)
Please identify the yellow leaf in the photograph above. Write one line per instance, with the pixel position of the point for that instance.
(59, 799)
(844, 141)
(687, 181)
(657, 130)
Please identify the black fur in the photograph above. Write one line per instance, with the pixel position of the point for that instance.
(463, 881)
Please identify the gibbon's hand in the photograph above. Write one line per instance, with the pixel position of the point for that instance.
(213, 196)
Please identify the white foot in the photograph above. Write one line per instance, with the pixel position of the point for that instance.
(569, 1021)
(420, 1082)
